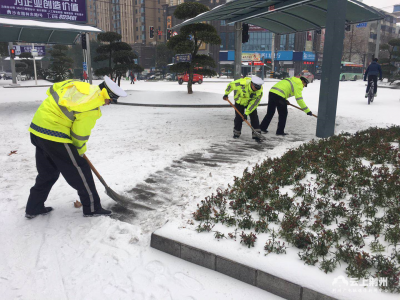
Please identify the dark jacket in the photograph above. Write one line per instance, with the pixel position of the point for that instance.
(373, 69)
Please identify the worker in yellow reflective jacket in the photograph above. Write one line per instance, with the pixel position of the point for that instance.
(60, 130)
(248, 94)
(277, 99)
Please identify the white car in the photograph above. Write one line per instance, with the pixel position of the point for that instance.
(21, 77)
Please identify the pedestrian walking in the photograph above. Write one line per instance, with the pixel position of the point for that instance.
(60, 130)
(132, 76)
(277, 100)
(248, 94)
(372, 72)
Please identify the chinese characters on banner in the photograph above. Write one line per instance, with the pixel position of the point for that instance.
(22, 49)
(65, 10)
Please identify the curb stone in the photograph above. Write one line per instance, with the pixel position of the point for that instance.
(270, 283)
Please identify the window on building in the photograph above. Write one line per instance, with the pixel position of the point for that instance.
(223, 23)
(137, 37)
(291, 41)
(137, 28)
(282, 44)
(142, 19)
(158, 1)
(142, 27)
(142, 9)
(141, 1)
(135, 2)
(159, 19)
(259, 41)
(143, 36)
(135, 10)
(158, 10)
(231, 41)
(223, 40)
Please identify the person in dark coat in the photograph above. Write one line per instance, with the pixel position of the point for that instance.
(132, 76)
(373, 70)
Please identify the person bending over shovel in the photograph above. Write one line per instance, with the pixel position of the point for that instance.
(60, 130)
(248, 94)
(277, 99)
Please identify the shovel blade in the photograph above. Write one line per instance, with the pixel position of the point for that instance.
(125, 201)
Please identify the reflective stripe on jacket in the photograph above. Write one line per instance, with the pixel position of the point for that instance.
(69, 113)
(290, 87)
(244, 94)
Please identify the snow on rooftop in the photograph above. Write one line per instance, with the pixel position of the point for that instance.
(50, 25)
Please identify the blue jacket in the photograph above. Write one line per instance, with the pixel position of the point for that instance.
(373, 69)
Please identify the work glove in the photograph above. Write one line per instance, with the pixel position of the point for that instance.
(225, 97)
(309, 113)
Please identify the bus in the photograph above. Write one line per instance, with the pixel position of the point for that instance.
(351, 71)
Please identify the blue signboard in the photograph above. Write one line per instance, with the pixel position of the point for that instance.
(361, 25)
(308, 56)
(22, 49)
(284, 56)
(183, 58)
(84, 66)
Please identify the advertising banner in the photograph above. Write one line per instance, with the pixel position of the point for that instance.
(308, 56)
(183, 58)
(22, 49)
(284, 55)
(251, 56)
(55, 10)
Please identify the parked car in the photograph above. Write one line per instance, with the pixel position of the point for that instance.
(21, 77)
(5, 75)
(308, 75)
(185, 78)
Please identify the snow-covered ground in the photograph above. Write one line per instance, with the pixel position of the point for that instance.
(65, 256)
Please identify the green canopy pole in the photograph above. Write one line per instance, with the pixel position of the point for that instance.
(335, 23)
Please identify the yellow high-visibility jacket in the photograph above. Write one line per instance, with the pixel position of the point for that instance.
(69, 113)
(290, 87)
(244, 94)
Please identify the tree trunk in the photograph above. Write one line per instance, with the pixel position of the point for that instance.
(190, 82)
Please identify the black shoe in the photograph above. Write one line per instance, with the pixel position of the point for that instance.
(98, 212)
(236, 136)
(258, 140)
(44, 211)
(264, 131)
(282, 134)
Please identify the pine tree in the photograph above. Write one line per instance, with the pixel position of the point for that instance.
(60, 63)
(190, 39)
(119, 55)
(388, 67)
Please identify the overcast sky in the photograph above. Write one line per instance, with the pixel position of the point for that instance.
(386, 5)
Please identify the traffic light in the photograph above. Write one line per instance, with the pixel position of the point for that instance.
(245, 33)
(12, 53)
(151, 32)
(83, 35)
(169, 31)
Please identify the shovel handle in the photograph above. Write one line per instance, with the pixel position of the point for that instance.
(95, 171)
(243, 118)
(300, 109)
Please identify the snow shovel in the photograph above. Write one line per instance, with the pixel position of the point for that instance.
(113, 195)
(247, 122)
(301, 109)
